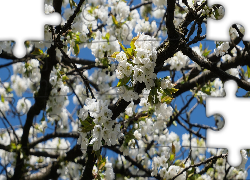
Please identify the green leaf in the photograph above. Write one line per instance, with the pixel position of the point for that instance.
(49, 110)
(173, 90)
(172, 156)
(114, 54)
(101, 162)
(210, 171)
(173, 148)
(129, 136)
(194, 177)
(166, 99)
(248, 72)
(97, 153)
(86, 125)
(40, 160)
(8, 89)
(200, 100)
(107, 36)
(117, 24)
(18, 147)
(37, 51)
(13, 146)
(72, 3)
(132, 44)
(200, 46)
(43, 119)
(130, 52)
(65, 78)
(152, 98)
(206, 52)
(123, 48)
(167, 92)
(177, 162)
(2, 99)
(76, 49)
(123, 81)
(27, 43)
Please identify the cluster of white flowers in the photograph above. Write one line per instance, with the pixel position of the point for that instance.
(109, 173)
(218, 13)
(197, 145)
(121, 9)
(144, 104)
(159, 163)
(201, 95)
(143, 63)
(172, 172)
(48, 9)
(82, 28)
(34, 160)
(130, 109)
(79, 88)
(127, 95)
(58, 100)
(103, 128)
(6, 138)
(198, 151)
(5, 46)
(158, 13)
(221, 165)
(166, 83)
(139, 67)
(70, 170)
(104, 80)
(32, 71)
(160, 3)
(217, 90)
(191, 3)
(126, 20)
(23, 105)
(222, 49)
(145, 26)
(5, 97)
(101, 46)
(19, 84)
(6, 157)
(232, 71)
(56, 146)
(93, 11)
(163, 111)
(198, 51)
(167, 139)
(25, 76)
(81, 93)
(38, 128)
(178, 61)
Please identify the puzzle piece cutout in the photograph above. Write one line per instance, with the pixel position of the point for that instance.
(235, 13)
(21, 16)
(229, 107)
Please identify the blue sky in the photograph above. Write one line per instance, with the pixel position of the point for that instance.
(198, 115)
